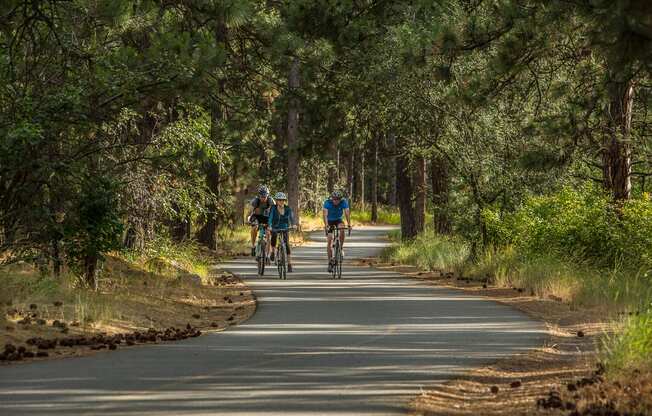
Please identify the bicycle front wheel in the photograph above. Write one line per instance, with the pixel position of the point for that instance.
(336, 256)
(260, 258)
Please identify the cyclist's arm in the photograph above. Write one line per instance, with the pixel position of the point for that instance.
(347, 212)
(325, 215)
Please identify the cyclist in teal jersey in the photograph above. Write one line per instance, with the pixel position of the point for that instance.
(335, 208)
(281, 219)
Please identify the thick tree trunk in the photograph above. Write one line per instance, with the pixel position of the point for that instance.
(616, 153)
(208, 233)
(393, 184)
(405, 198)
(420, 192)
(439, 179)
(374, 181)
(294, 156)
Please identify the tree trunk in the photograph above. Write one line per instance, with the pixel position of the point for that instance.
(208, 233)
(616, 152)
(393, 184)
(294, 157)
(90, 270)
(439, 179)
(405, 198)
(420, 194)
(374, 181)
(359, 176)
(349, 174)
(333, 166)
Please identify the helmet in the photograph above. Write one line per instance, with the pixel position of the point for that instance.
(337, 194)
(281, 195)
(263, 191)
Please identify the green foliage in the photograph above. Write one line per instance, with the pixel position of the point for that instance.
(583, 224)
(94, 226)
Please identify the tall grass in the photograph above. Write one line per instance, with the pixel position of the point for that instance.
(632, 348)
(430, 251)
(386, 215)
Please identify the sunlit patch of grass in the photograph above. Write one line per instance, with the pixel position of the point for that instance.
(26, 286)
(386, 215)
(167, 258)
(429, 251)
(632, 348)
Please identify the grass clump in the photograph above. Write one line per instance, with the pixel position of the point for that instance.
(386, 215)
(429, 251)
(632, 348)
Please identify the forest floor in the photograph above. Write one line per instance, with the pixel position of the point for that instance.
(132, 306)
(563, 377)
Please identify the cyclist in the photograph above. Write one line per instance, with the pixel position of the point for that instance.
(260, 207)
(334, 208)
(281, 219)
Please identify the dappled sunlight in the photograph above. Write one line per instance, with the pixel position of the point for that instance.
(360, 345)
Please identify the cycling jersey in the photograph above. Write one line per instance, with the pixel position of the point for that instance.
(278, 221)
(335, 212)
(262, 208)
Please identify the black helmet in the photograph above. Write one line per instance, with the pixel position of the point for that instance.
(263, 191)
(337, 194)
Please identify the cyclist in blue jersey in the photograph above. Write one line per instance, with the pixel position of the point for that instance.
(281, 219)
(335, 208)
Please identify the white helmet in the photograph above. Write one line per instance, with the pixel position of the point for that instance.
(281, 195)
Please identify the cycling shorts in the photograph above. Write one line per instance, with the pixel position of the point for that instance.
(287, 241)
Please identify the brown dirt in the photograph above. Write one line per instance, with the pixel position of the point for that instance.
(514, 386)
(143, 302)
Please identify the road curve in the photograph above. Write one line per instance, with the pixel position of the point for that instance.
(361, 345)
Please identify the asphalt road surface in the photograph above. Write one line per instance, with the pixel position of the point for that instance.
(362, 345)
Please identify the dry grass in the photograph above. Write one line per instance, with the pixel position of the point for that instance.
(132, 296)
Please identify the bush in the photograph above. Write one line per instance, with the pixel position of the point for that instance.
(583, 224)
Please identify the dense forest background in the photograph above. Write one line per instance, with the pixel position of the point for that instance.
(519, 123)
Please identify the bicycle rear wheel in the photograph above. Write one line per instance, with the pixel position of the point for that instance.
(281, 262)
(339, 262)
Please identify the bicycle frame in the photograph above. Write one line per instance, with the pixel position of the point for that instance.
(261, 245)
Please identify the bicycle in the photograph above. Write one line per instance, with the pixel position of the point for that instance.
(261, 248)
(337, 259)
(281, 253)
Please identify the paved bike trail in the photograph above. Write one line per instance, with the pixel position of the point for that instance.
(365, 345)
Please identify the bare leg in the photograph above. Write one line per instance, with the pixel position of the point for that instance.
(254, 231)
(342, 236)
